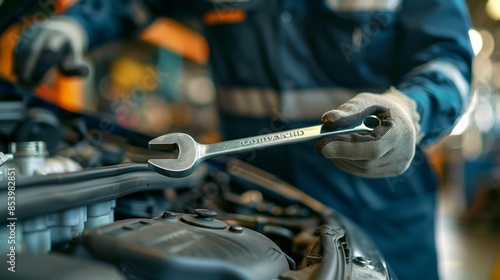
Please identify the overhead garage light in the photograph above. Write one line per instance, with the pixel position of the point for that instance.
(476, 40)
(493, 9)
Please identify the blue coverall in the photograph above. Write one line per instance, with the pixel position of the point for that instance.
(289, 61)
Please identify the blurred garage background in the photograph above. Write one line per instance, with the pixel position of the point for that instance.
(154, 85)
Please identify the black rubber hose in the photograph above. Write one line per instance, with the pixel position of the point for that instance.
(89, 174)
(54, 196)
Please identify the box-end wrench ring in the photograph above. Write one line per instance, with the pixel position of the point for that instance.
(191, 153)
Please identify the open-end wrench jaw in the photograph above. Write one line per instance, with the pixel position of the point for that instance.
(186, 161)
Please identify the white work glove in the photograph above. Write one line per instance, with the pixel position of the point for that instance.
(386, 151)
(57, 41)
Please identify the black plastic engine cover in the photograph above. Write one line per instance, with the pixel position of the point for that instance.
(168, 247)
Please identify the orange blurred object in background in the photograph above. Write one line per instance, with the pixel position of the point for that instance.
(68, 92)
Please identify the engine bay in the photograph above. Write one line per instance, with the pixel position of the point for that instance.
(87, 206)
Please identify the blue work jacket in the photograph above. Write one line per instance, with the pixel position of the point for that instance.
(280, 64)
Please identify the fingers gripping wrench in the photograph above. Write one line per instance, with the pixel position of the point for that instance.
(191, 153)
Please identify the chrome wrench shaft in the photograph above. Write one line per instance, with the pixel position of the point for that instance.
(191, 153)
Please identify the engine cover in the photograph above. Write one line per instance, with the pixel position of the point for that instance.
(186, 246)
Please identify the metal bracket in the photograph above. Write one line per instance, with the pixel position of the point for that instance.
(3, 158)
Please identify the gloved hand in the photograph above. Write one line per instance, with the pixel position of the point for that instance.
(57, 41)
(386, 151)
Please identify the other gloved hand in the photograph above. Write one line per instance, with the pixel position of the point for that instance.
(57, 41)
(386, 151)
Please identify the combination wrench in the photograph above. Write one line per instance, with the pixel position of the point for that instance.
(191, 153)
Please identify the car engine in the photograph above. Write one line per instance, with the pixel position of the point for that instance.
(81, 210)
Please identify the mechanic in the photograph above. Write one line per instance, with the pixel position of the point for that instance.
(281, 64)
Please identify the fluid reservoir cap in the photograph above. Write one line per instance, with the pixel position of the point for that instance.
(205, 214)
(204, 218)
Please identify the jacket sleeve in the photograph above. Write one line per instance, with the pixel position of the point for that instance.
(105, 20)
(435, 59)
